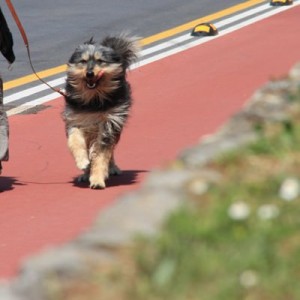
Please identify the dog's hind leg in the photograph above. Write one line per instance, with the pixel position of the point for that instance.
(99, 171)
(113, 168)
(78, 148)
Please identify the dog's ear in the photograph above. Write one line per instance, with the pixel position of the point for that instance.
(126, 48)
(90, 41)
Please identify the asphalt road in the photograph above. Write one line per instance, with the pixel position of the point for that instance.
(55, 27)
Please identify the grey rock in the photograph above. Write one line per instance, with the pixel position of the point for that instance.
(142, 212)
(295, 72)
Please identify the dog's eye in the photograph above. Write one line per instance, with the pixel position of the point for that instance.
(83, 61)
(100, 61)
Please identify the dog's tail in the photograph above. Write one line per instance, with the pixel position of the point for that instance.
(126, 47)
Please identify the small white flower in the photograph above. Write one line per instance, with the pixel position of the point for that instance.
(248, 279)
(198, 187)
(239, 211)
(289, 189)
(268, 211)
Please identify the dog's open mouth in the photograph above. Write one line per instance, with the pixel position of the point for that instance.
(92, 81)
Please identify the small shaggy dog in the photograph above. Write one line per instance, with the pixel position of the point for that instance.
(98, 99)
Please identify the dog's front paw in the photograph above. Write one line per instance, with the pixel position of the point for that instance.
(97, 183)
(83, 178)
(83, 164)
(114, 170)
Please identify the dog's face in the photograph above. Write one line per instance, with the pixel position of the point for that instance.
(94, 70)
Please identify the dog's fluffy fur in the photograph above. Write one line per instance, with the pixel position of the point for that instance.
(98, 99)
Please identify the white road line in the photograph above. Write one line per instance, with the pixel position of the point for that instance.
(185, 37)
(165, 45)
(33, 90)
(203, 40)
(23, 107)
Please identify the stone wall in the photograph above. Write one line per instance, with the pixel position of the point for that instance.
(143, 211)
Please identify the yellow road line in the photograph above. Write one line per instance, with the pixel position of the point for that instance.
(146, 41)
(192, 24)
(30, 78)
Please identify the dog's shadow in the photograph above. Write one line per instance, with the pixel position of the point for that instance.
(8, 183)
(127, 177)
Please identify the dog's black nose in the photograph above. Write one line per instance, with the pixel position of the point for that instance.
(90, 74)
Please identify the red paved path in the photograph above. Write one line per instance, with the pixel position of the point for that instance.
(177, 100)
